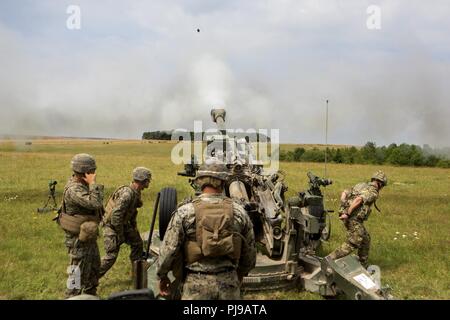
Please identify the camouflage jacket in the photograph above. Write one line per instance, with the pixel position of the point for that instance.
(183, 224)
(369, 194)
(121, 209)
(81, 198)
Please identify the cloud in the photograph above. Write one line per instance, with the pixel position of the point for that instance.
(271, 64)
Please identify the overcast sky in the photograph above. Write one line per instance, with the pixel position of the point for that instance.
(139, 66)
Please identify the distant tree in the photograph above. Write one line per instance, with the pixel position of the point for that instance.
(381, 155)
(157, 135)
(390, 149)
(443, 163)
(286, 156)
(368, 153)
(399, 155)
(338, 158)
(350, 154)
(313, 155)
(416, 156)
(431, 161)
(330, 153)
(298, 152)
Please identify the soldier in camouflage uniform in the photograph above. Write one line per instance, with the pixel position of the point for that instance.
(214, 238)
(119, 222)
(79, 216)
(355, 209)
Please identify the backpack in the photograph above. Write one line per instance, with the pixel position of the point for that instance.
(364, 211)
(214, 236)
(111, 203)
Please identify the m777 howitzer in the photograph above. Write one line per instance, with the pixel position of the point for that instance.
(288, 232)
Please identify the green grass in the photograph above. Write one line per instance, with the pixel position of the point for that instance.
(33, 258)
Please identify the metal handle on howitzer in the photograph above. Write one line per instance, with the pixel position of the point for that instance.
(152, 226)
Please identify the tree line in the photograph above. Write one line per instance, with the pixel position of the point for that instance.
(157, 135)
(401, 155)
(167, 135)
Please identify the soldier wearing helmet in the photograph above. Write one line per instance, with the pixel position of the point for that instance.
(79, 216)
(213, 238)
(119, 222)
(355, 209)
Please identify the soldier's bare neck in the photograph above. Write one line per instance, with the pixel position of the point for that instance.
(210, 189)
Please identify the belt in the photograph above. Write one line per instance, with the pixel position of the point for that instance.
(188, 271)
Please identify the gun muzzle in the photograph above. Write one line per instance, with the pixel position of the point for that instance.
(218, 116)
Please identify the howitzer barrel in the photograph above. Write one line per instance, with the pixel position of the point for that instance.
(218, 116)
(237, 191)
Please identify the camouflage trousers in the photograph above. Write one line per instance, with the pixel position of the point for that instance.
(84, 266)
(112, 247)
(357, 239)
(221, 286)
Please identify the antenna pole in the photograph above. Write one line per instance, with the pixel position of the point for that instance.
(326, 140)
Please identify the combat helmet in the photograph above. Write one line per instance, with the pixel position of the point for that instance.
(380, 176)
(212, 173)
(83, 163)
(142, 174)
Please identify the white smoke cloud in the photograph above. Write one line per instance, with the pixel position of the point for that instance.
(271, 64)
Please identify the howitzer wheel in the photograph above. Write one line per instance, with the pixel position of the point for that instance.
(167, 206)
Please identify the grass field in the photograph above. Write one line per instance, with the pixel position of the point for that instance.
(33, 260)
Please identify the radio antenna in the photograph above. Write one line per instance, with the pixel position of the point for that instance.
(326, 141)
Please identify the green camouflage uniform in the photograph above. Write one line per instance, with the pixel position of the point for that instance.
(357, 236)
(83, 199)
(121, 226)
(208, 278)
